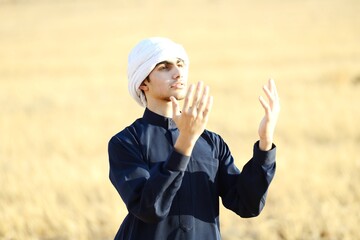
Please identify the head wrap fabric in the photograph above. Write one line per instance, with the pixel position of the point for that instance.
(143, 59)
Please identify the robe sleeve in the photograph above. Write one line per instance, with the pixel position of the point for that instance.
(244, 192)
(147, 193)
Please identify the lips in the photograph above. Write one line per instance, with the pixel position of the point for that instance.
(178, 85)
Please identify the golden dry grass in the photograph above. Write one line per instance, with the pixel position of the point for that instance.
(63, 94)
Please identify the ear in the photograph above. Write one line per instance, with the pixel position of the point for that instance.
(143, 87)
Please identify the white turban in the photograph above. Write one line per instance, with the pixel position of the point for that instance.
(143, 59)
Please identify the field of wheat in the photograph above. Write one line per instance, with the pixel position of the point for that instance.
(63, 94)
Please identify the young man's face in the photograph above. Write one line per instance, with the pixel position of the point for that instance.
(165, 80)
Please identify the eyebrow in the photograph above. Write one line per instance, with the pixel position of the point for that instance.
(178, 60)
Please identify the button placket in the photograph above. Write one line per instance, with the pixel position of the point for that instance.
(186, 218)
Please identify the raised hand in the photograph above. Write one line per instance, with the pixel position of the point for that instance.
(192, 119)
(272, 110)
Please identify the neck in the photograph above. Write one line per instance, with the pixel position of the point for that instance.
(163, 108)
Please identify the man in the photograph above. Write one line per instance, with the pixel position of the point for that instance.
(168, 169)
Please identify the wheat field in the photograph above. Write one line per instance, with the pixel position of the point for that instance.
(63, 94)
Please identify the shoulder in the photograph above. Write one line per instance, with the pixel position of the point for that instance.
(212, 136)
(213, 139)
(129, 133)
(217, 142)
(125, 145)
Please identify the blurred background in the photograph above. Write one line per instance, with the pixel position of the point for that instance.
(63, 94)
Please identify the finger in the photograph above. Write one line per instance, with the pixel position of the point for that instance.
(275, 104)
(208, 107)
(175, 106)
(265, 105)
(204, 100)
(188, 98)
(273, 88)
(199, 88)
(269, 84)
(268, 93)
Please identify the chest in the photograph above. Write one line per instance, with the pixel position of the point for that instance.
(157, 146)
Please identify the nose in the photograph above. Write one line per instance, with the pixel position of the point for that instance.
(177, 73)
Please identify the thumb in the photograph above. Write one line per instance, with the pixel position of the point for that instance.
(175, 106)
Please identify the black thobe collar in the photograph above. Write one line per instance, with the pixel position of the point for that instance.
(158, 120)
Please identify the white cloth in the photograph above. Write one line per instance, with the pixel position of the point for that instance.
(144, 57)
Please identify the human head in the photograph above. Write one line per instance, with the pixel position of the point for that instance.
(144, 57)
